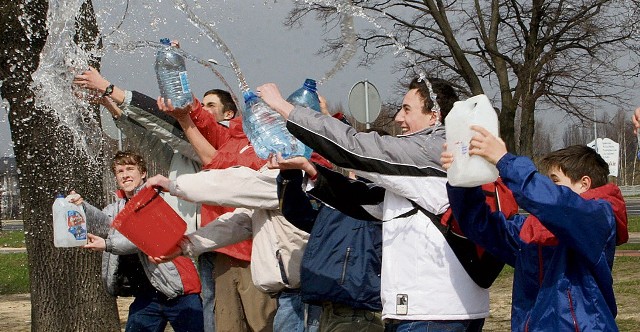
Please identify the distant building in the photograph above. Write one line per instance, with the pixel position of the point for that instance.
(9, 189)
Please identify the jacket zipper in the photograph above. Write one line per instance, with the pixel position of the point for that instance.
(344, 265)
(283, 273)
(573, 313)
(284, 189)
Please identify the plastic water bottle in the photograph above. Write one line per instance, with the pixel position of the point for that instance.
(171, 72)
(306, 96)
(69, 223)
(266, 129)
(466, 170)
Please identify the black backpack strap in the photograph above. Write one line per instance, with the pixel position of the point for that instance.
(483, 269)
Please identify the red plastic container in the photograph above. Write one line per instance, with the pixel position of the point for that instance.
(150, 223)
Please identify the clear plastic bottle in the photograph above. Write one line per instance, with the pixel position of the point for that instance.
(306, 96)
(171, 72)
(266, 129)
(69, 223)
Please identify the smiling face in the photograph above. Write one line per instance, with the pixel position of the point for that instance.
(128, 178)
(411, 117)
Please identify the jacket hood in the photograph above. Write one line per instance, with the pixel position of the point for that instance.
(534, 232)
(612, 194)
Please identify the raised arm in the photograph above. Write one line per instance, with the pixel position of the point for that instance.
(203, 148)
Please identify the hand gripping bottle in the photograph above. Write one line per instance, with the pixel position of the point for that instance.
(69, 223)
(306, 96)
(266, 129)
(466, 170)
(172, 75)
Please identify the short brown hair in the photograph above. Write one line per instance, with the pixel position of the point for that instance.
(445, 94)
(128, 158)
(225, 98)
(577, 161)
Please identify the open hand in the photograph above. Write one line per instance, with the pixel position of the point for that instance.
(164, 259)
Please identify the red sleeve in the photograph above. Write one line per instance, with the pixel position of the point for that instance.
(213, 132)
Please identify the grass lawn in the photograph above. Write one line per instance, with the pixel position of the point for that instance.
(12, 239)
(634, 223)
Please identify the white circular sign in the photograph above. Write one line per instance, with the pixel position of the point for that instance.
(364, 102)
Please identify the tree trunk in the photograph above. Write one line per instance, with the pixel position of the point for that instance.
(66, 288)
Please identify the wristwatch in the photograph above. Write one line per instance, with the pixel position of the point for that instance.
(108, 91)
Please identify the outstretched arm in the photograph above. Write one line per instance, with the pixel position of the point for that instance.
(204, 149)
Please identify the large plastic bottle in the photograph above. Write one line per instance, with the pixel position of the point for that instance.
(171, 72)
(466, 170)
(69, 223)
(266, 129)
(306, 96)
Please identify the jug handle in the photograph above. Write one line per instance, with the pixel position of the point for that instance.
(142, 205)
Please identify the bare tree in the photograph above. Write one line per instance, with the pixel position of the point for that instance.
(541, 140)
(66, 291)
(537, 54)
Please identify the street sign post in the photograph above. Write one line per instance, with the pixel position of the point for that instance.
(364, 102)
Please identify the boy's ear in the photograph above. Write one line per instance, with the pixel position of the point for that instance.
(585, 183)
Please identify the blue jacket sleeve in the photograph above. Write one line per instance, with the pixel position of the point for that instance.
(492, 231)
(584, 225)
(295, 205)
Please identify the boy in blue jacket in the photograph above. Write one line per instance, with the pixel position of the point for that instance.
(563, 252)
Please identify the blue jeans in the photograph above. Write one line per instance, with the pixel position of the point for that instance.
(151, 312)
(394, 325)
(205, 271)
(291, 317)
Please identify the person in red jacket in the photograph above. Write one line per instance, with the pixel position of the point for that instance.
(239, 304)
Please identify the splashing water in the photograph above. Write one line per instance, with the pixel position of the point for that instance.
(348, 32)
(209, 31)
(60, 59)
(356, 11)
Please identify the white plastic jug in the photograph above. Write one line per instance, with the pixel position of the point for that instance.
(466, 170)
(69, 224)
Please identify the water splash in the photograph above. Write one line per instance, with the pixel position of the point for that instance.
(349, 45)
(347, 8)
(60, 60)
(209, 31)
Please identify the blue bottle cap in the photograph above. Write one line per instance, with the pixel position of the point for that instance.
(249, 96)
(165, 41)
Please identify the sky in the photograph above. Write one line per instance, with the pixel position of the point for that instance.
(264, 49)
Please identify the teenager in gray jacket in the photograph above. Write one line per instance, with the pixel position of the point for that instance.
(167, 292)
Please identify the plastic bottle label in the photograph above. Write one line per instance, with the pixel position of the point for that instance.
(184, 82)
(76, 225)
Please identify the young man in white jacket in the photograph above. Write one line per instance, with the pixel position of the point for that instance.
(423, 284)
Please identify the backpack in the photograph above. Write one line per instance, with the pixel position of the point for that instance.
(482, 267)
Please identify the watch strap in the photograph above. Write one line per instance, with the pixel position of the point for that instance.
(108, 91)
